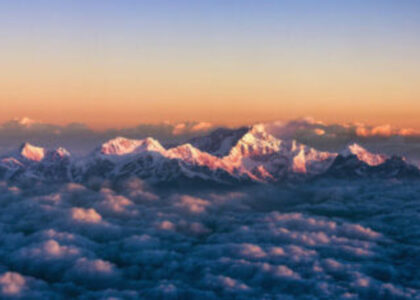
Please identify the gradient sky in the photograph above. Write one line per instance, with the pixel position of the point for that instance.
(114, 63)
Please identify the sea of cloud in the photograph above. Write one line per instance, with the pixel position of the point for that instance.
(323, 240)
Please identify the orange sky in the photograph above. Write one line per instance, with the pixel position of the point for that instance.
(104, 94)
(229, 65)
(228, 94)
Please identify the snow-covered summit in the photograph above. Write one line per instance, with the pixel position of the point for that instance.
(124, 146)
(364, 155)
(31, 152)
(31, 162)
(256, 142)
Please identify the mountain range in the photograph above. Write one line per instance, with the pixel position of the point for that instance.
(225, 156)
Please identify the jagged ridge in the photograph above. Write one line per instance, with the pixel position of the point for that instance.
(226, 156)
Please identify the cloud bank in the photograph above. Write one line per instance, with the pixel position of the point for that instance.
(325, 240)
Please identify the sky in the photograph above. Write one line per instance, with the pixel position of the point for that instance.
(120, 63)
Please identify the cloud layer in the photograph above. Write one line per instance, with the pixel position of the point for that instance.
(326, 240)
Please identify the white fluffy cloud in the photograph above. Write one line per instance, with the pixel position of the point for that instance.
(12, 283)
(85, 215)
(191, 204)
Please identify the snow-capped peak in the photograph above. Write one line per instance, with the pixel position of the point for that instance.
(32, 152)
(259, 151)
(37, 154)
(123, 146)
(185, 150)
(364, 155)
(190, 154)
(256, 142)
